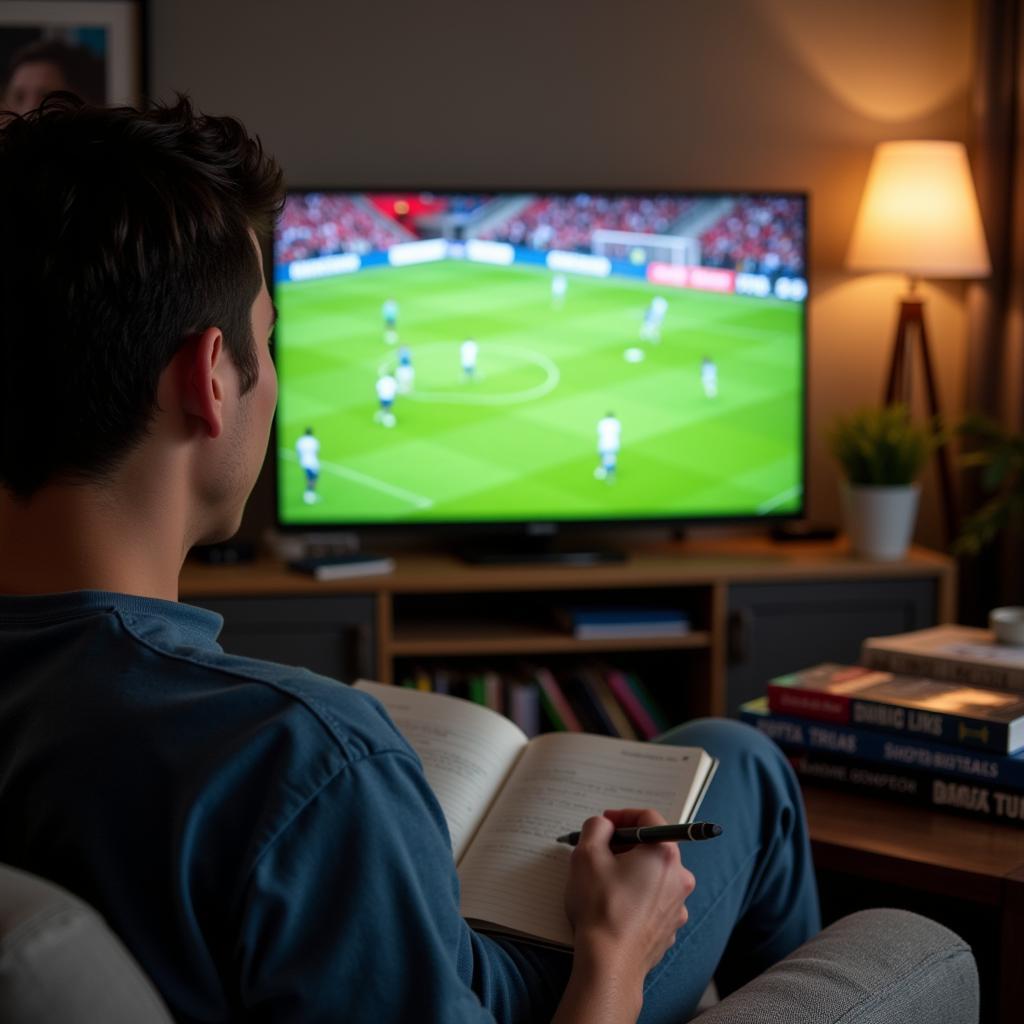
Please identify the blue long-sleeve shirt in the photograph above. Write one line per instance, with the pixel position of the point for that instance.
(262, 838)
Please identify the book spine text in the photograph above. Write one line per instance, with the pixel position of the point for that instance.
(934, 666)
(954, 730)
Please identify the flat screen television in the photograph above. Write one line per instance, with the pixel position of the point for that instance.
(507, 359)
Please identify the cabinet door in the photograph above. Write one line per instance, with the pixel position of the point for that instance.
(330, 635)
(782, 627)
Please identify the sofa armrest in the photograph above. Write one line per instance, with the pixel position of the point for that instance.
(873, 967)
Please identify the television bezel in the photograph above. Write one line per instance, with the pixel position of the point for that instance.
(540, 527)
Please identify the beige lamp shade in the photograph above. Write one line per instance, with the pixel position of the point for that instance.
(919, 213)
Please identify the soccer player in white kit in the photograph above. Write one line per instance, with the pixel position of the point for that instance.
(559, 286)
(709, 377)
(404, 373)
(389, 311)
(308, 449)
(609, 439)
(467, 354)
(386, 388)
(650, 330)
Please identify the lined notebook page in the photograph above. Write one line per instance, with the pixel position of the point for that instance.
(466, 750)
(514, 874)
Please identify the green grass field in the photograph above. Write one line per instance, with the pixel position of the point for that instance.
(520, 441)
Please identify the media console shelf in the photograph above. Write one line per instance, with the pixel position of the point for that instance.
(756, 608)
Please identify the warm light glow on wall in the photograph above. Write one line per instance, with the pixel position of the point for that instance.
(919, 213)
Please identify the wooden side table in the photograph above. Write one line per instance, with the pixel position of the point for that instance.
(934, 860)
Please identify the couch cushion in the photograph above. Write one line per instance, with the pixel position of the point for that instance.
(60, 962)
(873, 967)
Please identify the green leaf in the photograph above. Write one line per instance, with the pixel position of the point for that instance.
(882, 446)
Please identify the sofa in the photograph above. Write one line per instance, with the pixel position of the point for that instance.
(61, 964)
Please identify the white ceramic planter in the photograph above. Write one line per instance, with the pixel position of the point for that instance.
(880, 520)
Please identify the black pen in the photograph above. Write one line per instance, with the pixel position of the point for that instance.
(655, 834)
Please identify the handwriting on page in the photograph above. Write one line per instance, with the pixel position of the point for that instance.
(463, 769)
(515, 873)
(466, 752)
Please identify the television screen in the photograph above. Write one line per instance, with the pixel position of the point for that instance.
(514, 357)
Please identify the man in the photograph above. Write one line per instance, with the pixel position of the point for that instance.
(405, 374)
(654, 316)
(389, 311)
(467, 357)
(308, 449)
(709, 377)
(387, 387)
(609, 440)
(262, 838)
(559, 288)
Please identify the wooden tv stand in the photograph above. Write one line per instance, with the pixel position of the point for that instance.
(756, 608)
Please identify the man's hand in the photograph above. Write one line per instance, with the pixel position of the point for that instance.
(625, 907)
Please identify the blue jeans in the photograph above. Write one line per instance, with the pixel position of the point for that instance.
(755, 899)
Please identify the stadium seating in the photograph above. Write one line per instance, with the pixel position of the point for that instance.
(762, 236)
(316, 224)
(567, 222)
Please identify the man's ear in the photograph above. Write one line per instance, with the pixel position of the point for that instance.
(201, 377)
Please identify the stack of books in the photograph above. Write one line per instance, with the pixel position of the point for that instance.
(941, 742)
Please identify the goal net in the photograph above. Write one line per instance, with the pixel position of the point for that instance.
(641, 247)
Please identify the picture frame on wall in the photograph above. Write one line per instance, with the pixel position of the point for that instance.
(92, 49)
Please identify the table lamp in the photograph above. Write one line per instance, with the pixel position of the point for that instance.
(919, 216)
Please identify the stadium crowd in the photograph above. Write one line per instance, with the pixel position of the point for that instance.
(757, 235)
(567, 222)
(319, 224)
(760, 236)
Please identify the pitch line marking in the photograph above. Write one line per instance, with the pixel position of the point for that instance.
(546, 386)
(778, 499)
(353, 474)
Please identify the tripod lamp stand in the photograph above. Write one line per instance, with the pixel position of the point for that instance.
(919, 216)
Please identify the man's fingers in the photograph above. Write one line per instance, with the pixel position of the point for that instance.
(650, 817)
(595, 837)
(624, 817)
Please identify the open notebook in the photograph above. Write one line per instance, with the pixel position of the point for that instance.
(507, 797)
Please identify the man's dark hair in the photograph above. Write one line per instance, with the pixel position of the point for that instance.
(83, 72)
(124, 234)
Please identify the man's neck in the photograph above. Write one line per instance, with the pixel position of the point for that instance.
(84, 537)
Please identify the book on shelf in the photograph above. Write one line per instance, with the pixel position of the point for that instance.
(974, 798)
(524, 706)
(884, 749)
(339, 567)
(475, 689)
(556, 705)
(592, 713)
(637, 703)
(494, 691)
(506, 797)
(958, 654)
(615, 714)
(602, 623)
(957, 715)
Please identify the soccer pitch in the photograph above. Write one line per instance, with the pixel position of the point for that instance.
(519, 441)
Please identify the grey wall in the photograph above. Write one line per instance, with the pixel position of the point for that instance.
(649, 93)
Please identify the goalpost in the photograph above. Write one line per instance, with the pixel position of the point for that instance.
(619, 245)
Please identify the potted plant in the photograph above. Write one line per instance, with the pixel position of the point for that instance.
(882, 453)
